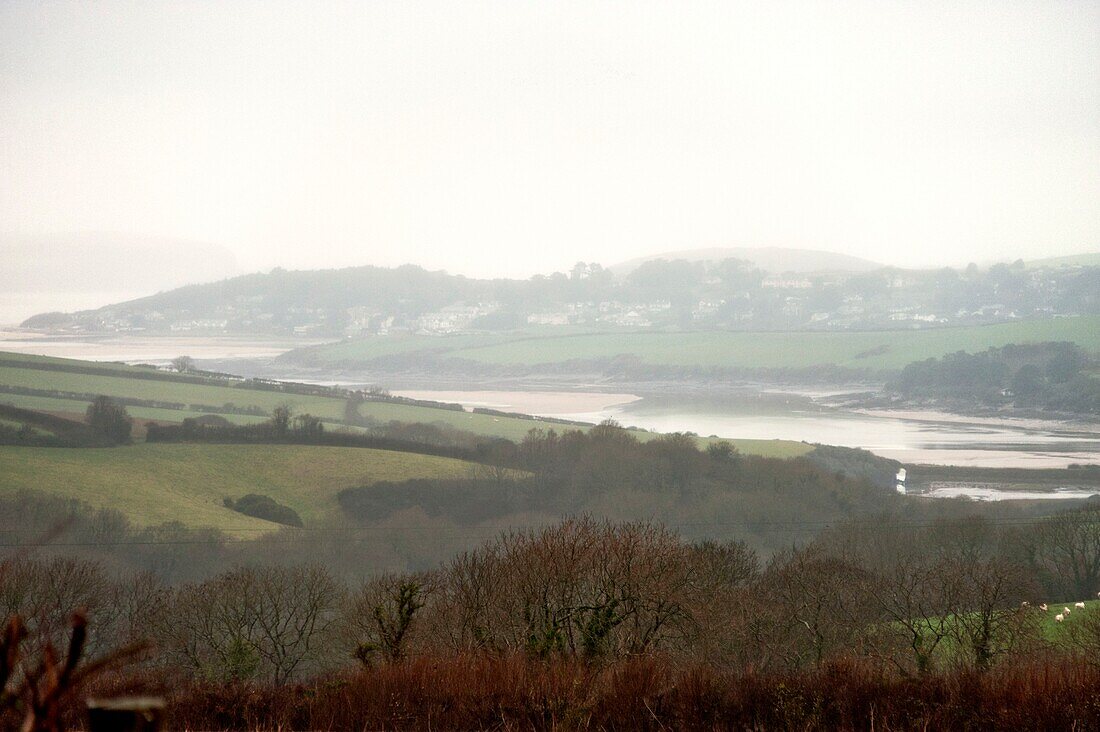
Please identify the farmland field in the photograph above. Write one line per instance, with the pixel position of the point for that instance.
(130, 384)
(154, 483)
(875, 350)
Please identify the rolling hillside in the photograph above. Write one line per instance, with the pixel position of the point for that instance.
(65, 386)
(237, 400)
(154, 483)
(870, 350)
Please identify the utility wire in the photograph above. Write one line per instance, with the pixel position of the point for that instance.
(299, 534)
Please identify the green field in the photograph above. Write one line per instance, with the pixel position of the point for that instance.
(877, 350)
(331, 409)
(1054, 631)
(153, 483)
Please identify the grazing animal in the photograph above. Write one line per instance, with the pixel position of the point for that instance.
(1078, 604)
(1059, 617)
(1065, 610)
(1043, 607)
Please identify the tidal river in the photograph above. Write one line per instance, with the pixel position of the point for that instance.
(905, 436)
(908, 437)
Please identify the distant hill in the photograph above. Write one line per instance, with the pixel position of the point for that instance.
(825, 292)
(769, 259)
(1073, 260)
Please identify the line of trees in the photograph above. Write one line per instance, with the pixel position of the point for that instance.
(911, 600)
(1051, 376)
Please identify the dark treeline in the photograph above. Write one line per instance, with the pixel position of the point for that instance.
(37, 429)
(912, 597)
(305, 429)
(1049, 376)
(877, 610)
(608, 471)
(106, 424)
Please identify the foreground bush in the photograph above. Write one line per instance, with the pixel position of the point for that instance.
(514, 692)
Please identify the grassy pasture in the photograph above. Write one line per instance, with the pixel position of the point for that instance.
(877, 350)
(1050, 630)
(168, 391)
(153, 483)
(328, 408)
(510, 428)
(76, 408)
(1054, 631)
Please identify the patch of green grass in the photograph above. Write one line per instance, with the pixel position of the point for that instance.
(1054, 631)
(10, 357)
(168, 391)
(876, 350)
(153, 483)
(76, 409)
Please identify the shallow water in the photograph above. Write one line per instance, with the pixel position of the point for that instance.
(905, 439)
(158, 350)
(990, 493)
(909, 438)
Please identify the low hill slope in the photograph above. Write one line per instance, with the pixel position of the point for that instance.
(888, 350)
(154, 483)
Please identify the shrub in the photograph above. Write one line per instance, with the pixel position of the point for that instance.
(265, 507)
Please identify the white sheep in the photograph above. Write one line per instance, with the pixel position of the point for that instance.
(1079, 604)
(1066, 610)
(1043, 607)
(1059, 618)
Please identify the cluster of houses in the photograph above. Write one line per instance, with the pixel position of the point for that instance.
(745, 300)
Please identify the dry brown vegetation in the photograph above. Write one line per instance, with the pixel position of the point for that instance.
(594, 624)
(516, 692)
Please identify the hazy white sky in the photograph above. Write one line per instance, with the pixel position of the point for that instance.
(509, 138)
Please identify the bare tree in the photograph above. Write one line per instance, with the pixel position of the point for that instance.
(1065, 549)
(383, 613)
(914, 596)
(269, 621)
(988, 620)
(581, 587)
(819, 606)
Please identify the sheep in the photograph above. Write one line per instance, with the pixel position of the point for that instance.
(1066, 610)
(1024, 603)
(1079, 604)
(1059, 618)
(1043, 607)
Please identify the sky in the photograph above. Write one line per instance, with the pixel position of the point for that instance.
(509, 138)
